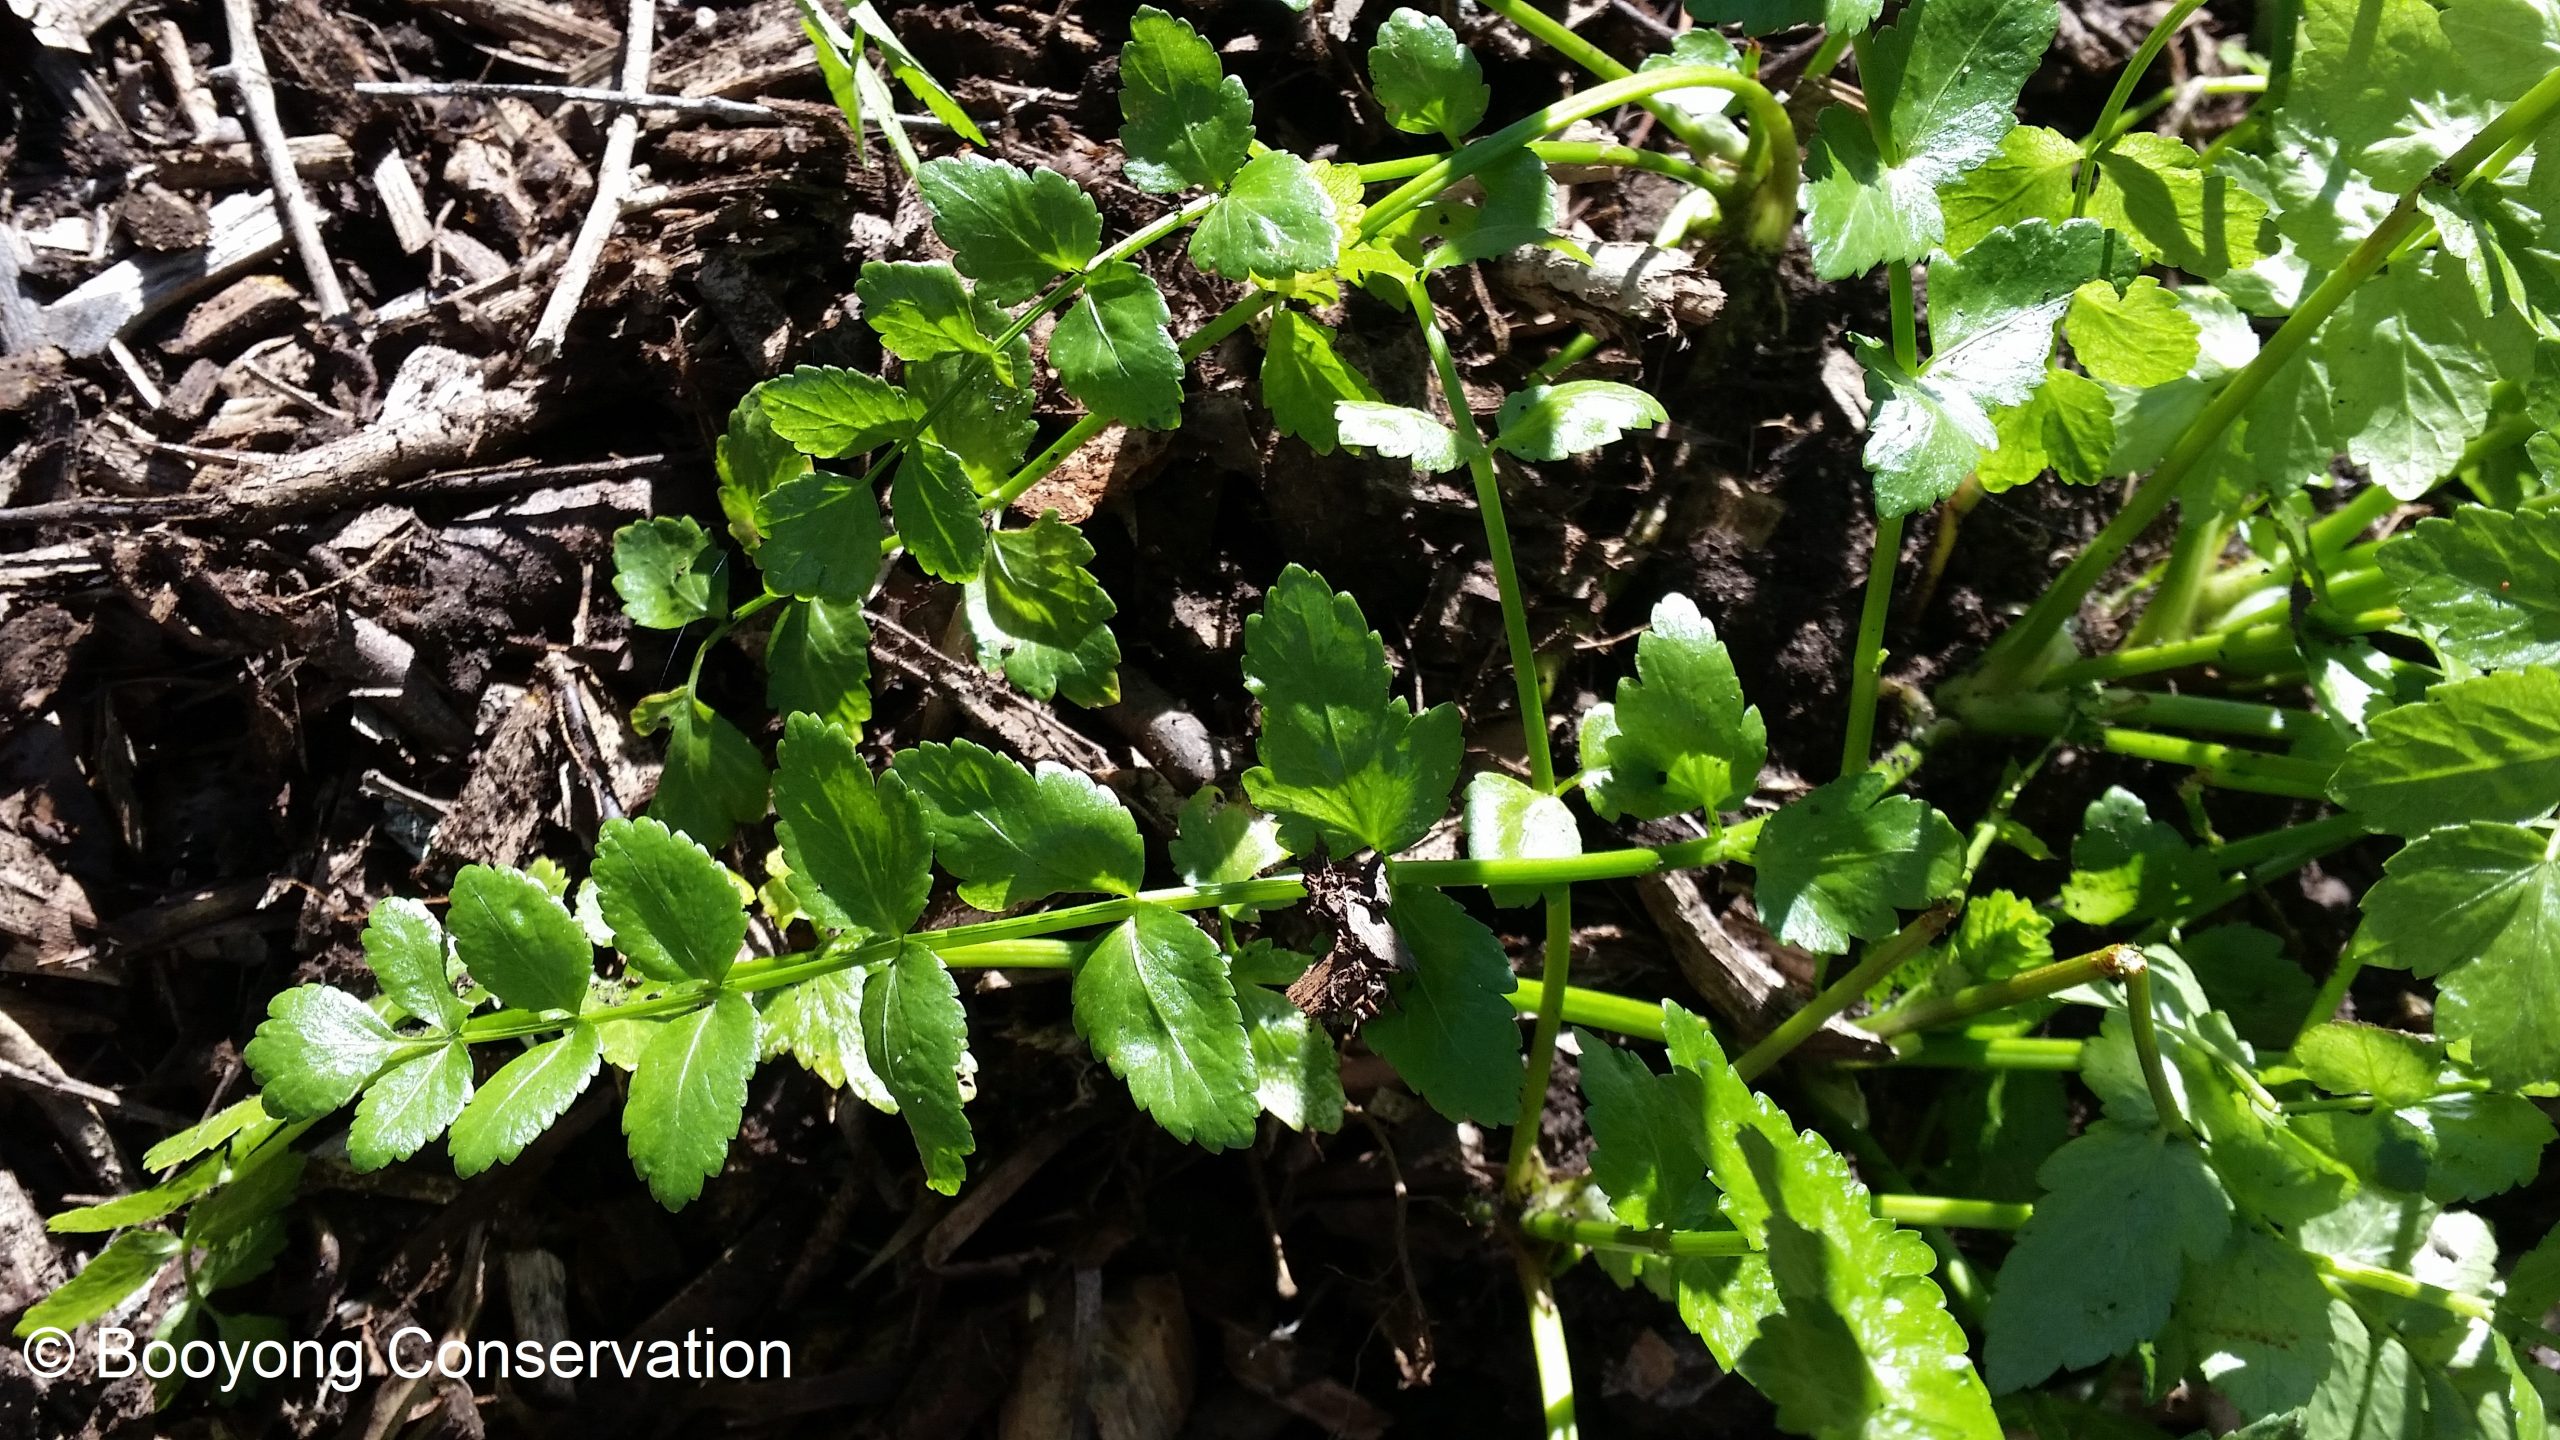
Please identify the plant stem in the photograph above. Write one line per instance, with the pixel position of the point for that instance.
(1547, 1345)
(776, 971)
(2227, 766)
(2055, 713)
(1884, 556)
(2103, 134)
(1593, 1009)
(1984, 1052)
(1948, 1211)
(2024, 645)
(2146, 1047)
(2264, 647)
(1523, 1169)
(2037, 984)
(1732, 842)
(2262, 858)
(1561, 39)
(2333, 994)
(2171, 615)
(1567, 152)
(1605, 1235)
(2406, 1287)
(1881, 960)
(1770, 166)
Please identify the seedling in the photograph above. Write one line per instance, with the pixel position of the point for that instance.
(2263, 1201)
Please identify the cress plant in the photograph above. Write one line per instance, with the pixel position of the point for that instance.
(2266, 1202)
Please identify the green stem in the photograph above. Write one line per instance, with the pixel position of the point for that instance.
(2171, 615)
(2104, 132)
(2053, 713)
(1984, 1052)
(2262, 858)
(2263, 647)
(1884, 556)
(1593, 1009)
(1547, 1345)
(1523, 1168)
(776, 971)
(2406, 1287)
(2037, 984)
(1566, 152)
(1561, 39)
(2146, 1047)
(1730, 843)
(1958, 1214)
(1628, 1239)
(1881, 960)
(2227, 766)
(1770, 167)
(2333, 994)
(2024, 645)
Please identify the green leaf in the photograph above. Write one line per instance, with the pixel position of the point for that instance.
(916, 1036)
(937, 510)
(819, 1023)
(1297, 1072)
(688, 1095)
(673, 910)
(1939, 85)
(1507, 820)
(1834, 866)
(2345, 1058)
(1113, 352)
(1859, 1343)
(2484, 749)
(405, 949)
(2124, 863)
(205, 1134)
(1303, 378)
(2140, 337)
(2098, 1267)
(976, 417)
(922, 311)
(714, 779)
(1217, 841)
(112, 1276)
(822, 538)
(1153, 999)
(317, 1048)
(2068, 426)
(1036, 613)
(829, 412)
(1186, 125)
(1428, 82)
(2478, 906)
(2412, 374)
(141, 1207)
(1342, 761)
(818, 659)
(2257, 1320)
(1276, 220)
(2158, 190)
(516, 938)
(1550, 422)
(1012, 835)
(1760, 17)
(751, 459)
(2372, 77)
(1519, 208)
(859, 845)
(1452, 1035)
(1399, 432)
(1649, 1139)
(2485, 584)
(522, 1099)
(1011, 230)
(1923, 435)
(910, 72)
(2027, 178)
(1678, 737)
(410, 1105)
(668, 573)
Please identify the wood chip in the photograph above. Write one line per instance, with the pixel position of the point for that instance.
(247, 308)
(245, 231)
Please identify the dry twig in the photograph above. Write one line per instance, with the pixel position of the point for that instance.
(613, 179)
(266, 131)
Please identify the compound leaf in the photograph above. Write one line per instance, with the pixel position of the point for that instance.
(1012, 835)
(1009, 229)
(1154, 1000)
(668, 573)
(516, 938)
(2098, 1267)
(405, 949)
(1037, 614)
(2483, 749)
(2485, 584)
(1185, 123)
(916, 1035)
(688, 1095)
(673, 910)
(522, 1099)
(410, 1105)
(921, 311)
(1342, 761)
(1452, 1034)
(2478, 906)
(826, 411)
(1837, 864)
(859, 843)
(1428, 81)
(822, 538)
(1276, 220)
(819, 1023)
(1678, 738)
(1550, 422)
(937, 510)
(714, 779)
(818, 659)
(317, 1048)
(1113, 352)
